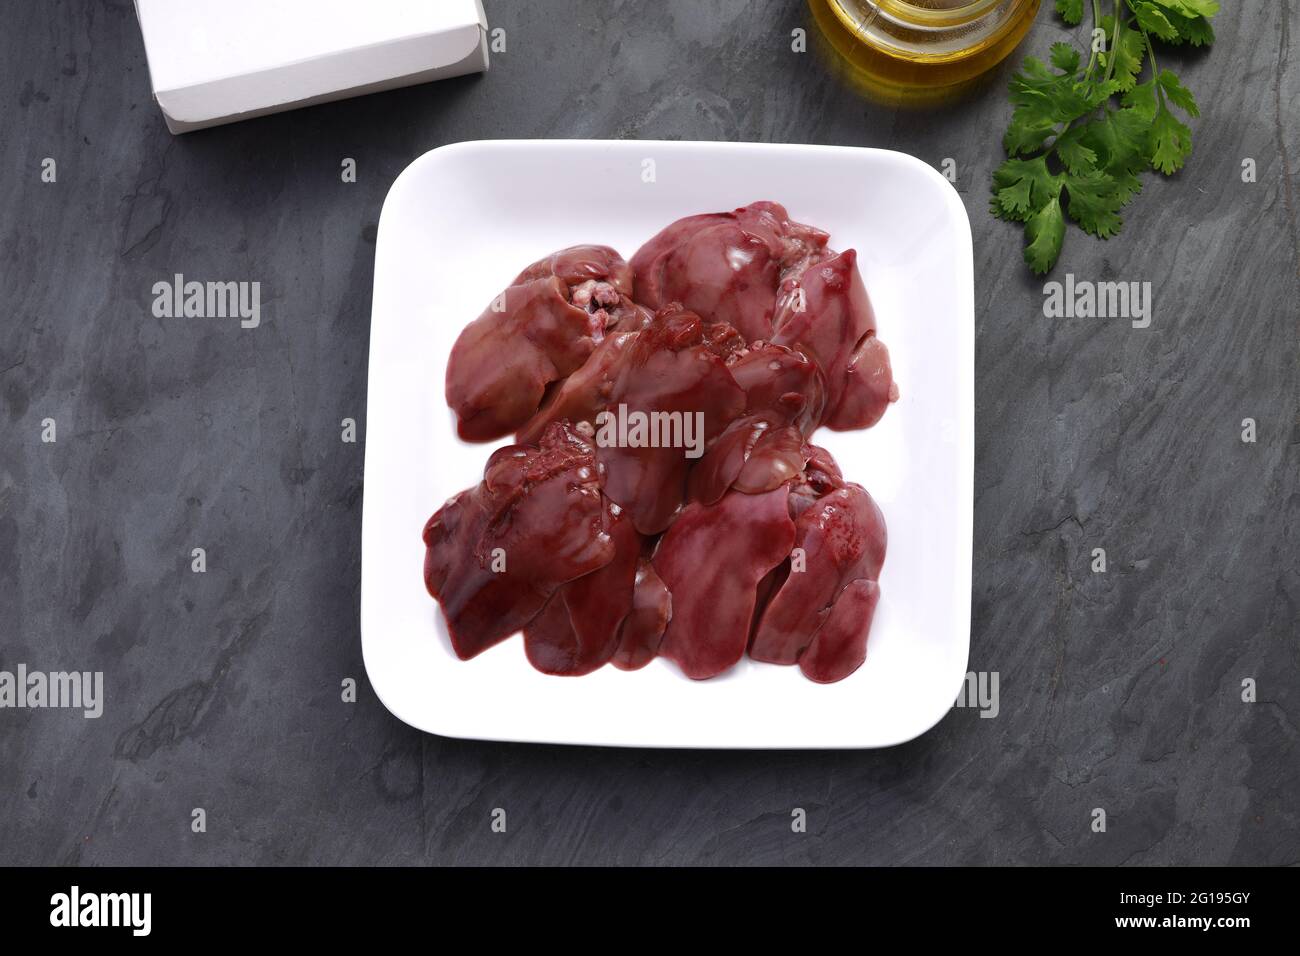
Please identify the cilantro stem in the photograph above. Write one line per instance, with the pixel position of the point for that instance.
(1096, 22)
(1114, 44)
(1151, 52)
(1092, 62)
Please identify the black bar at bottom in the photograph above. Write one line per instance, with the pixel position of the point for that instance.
(331, 905)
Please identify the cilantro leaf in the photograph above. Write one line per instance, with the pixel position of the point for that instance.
(1178, 94)
(1142, 100)
(1128, 52)
(1153, 19)
(1071, 11)
(1048, 95)
(1021, 187)
(1094, 201)
(1102, 92)
(1075, 155)
(1045, 232)
(1190, 8)
(1171, 142)
(1065, 58)
(1026, 132)
(1120, 139)
(1195, 30)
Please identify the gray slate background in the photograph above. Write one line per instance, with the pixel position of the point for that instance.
(1118, 690)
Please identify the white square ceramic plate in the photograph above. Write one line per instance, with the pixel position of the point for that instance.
(459, 224)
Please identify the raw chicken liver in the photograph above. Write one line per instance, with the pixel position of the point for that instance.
(674, 369)
(823, 310)
(578, 630)
(725, 266)
(737, 535)
(496, 553)
(643, 628)
(839, 547)
(711, 560)
(538, 331)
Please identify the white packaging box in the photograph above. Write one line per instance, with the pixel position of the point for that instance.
(219, 61)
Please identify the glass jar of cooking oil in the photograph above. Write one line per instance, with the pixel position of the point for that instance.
(917, 45)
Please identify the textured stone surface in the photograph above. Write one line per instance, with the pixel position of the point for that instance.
(1118, 690)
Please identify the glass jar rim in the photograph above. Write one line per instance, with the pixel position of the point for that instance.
(914, 15)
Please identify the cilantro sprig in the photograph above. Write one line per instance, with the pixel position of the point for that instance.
(1082, 133)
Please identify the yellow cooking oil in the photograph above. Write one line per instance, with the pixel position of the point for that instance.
(921, 51)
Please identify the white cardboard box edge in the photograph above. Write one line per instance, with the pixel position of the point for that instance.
(307, 82)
